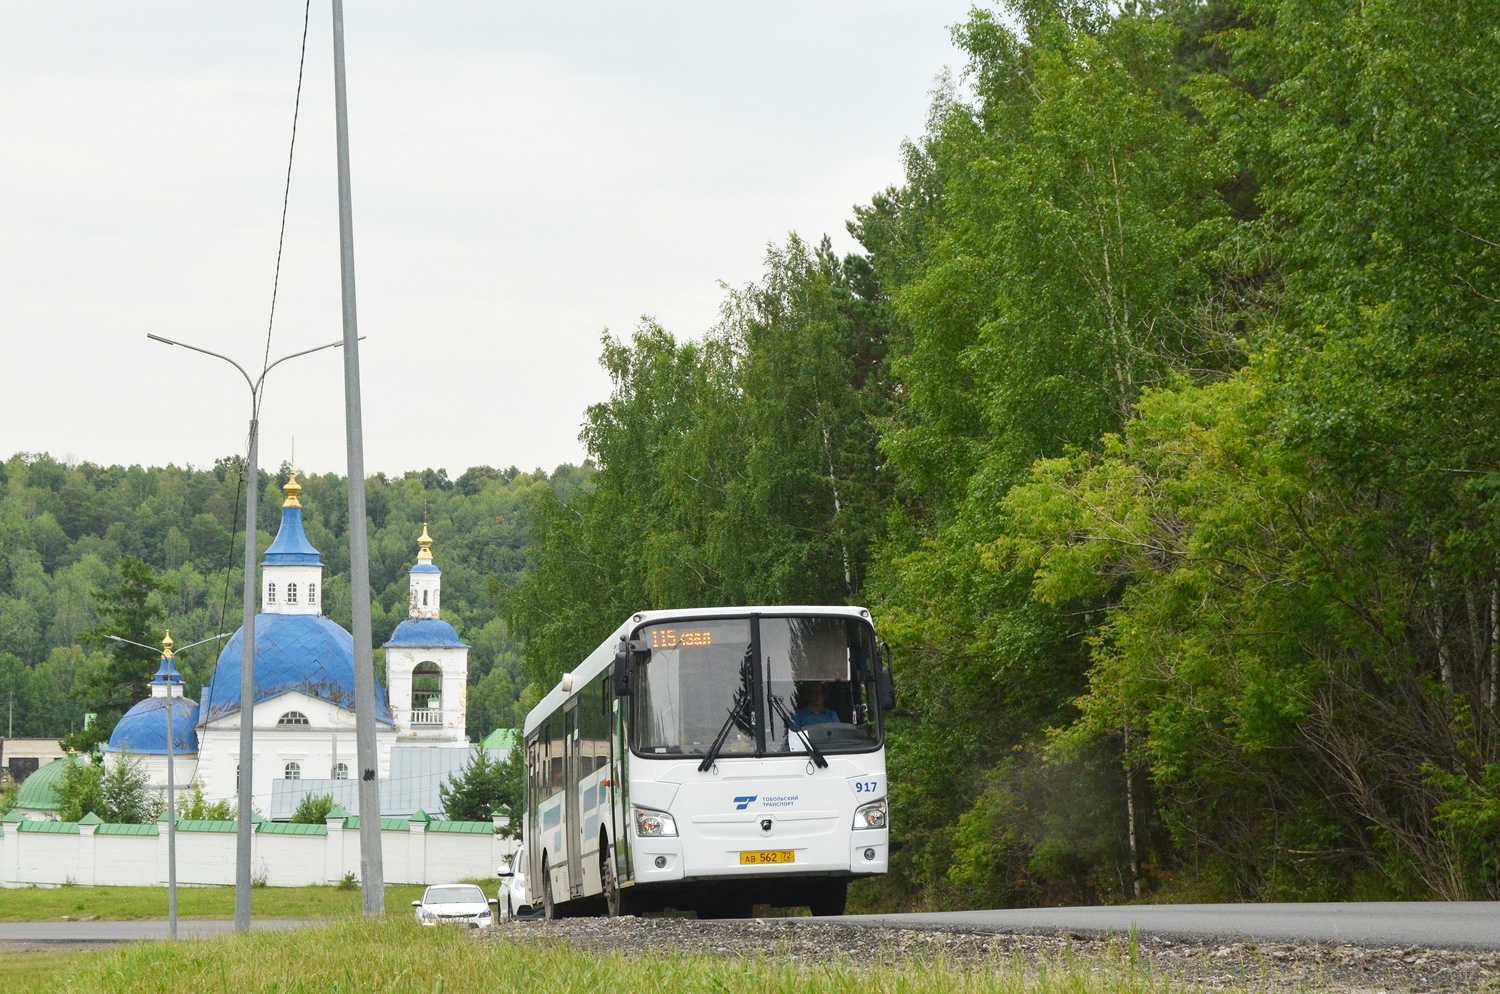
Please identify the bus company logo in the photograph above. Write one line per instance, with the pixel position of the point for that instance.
(783, 801)
(741, 803)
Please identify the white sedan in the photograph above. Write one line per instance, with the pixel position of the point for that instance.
(454, 904)
(515, 901)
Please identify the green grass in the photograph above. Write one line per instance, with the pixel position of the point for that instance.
(395, 955)
(136, 903)
(37, 970)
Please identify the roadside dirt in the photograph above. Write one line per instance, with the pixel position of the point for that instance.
(1213, 966)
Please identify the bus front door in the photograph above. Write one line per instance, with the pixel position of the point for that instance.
(574, 827)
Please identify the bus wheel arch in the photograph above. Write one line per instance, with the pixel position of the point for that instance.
(549, 905)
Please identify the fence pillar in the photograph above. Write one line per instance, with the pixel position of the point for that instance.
(85, 866)
(333, 852)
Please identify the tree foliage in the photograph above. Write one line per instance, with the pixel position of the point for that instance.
(313, 809)
(486, 784)
(93, 550)
(116, 789)
(1164, 412)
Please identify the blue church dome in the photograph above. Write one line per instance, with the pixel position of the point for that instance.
(291, 547)
(306, 653)
(143, 730)
(425, 633)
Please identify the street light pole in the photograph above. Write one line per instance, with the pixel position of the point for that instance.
(247, 661)
(371, 859)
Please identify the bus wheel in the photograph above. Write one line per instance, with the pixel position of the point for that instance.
(549, 906)
(615, 904)
(828, 900)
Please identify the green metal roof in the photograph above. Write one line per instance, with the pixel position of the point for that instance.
(39, 792)
(386, 824)
(462, 827)
(107, 829)
(288, 828)
(192, 825)
(504, 739)
(49, 827)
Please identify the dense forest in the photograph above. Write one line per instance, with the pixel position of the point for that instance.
(88, 550)
(1157, 420)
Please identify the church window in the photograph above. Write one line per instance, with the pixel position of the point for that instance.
(293, 771)
(293, 718)
(424, 598)
(270, 593)
(312, 593)
(236, 776)
(341, 771)
(291, 593)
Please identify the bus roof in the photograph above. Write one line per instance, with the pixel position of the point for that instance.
(603, 657)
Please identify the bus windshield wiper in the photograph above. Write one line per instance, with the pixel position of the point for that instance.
(741, 713)
(792, 726)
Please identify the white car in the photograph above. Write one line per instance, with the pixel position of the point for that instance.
(515, 902)
(454, 904)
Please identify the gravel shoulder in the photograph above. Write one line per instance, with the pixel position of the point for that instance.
(1212, 965)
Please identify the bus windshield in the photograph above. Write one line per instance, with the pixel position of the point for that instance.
(812, 681)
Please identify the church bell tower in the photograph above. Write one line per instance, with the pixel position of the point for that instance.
(426, 666)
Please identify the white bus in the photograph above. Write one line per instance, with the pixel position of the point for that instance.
(712, 760)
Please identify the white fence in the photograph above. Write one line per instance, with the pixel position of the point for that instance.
(93, 853)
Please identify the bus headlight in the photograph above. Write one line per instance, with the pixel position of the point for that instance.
(655, 824)
(870, 815)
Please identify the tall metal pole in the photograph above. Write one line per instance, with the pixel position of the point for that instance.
(371, 861)
(245, 773)
(243, 827)
(166, 653)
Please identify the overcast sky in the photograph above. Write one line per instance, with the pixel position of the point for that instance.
(525, 176)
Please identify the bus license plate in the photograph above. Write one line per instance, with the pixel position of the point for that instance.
(774, 856)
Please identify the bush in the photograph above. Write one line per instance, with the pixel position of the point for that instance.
(313, 809)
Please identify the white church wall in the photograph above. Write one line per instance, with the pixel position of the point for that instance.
(311, 747)
(184, 768)
(303, 582)
(80, 855)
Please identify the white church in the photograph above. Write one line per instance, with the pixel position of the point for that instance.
(303, 711)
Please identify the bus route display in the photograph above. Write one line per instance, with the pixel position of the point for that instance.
(671, 638)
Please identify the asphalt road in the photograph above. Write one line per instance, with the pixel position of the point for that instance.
(1442, 925)
(92, 935)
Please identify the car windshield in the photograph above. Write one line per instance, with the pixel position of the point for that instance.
(706, 690)
(456, 894)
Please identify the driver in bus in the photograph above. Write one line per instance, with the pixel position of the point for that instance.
(813, 710)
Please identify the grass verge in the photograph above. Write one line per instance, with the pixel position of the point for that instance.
(40, 904)
(394, 955)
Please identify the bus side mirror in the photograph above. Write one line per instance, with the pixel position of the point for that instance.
(885, 684)
(625, 662)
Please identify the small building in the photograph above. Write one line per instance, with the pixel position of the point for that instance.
(22, 757)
